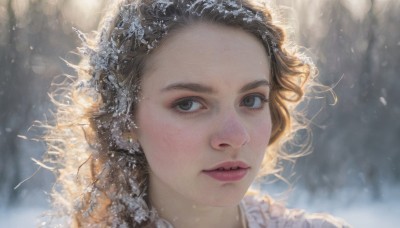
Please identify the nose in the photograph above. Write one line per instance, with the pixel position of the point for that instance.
(230, 134)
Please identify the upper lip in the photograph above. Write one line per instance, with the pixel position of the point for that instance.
(229, 165)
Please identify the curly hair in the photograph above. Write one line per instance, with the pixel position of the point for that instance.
(101, 174)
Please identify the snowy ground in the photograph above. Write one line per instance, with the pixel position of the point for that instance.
(384, 214)
(361, 212)
(354, 206)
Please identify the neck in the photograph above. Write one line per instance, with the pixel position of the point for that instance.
(181, 212)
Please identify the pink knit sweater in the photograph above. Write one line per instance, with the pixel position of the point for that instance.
(265, 213)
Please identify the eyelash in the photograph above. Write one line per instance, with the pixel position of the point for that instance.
(175, 105)
(262, 98)
(181, 101)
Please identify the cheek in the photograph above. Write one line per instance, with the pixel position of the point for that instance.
(261, 135)
(262, 131)
(165, 142)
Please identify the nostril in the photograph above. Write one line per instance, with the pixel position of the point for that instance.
(224, 145)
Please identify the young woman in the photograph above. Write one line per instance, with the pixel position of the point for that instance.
(178, 106)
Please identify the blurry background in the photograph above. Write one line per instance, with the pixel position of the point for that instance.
(354, 170)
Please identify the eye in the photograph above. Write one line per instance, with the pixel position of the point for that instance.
(254, 101)
(187, 105)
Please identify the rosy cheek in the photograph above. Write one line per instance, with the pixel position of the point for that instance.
(262, 132)
(166, 142)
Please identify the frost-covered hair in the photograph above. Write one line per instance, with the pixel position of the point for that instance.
(102, 173)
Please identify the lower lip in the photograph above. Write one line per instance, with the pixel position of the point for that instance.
(227, 175)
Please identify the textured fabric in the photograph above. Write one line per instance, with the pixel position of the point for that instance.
(264, 213)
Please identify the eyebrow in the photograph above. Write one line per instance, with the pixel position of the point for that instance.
(253, 85)
(195, 87)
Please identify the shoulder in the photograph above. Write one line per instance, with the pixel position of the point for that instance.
(264, 212)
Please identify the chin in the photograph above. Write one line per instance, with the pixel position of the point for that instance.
(229, 198)
(228, 202)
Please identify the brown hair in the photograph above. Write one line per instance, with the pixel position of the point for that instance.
(102, 177)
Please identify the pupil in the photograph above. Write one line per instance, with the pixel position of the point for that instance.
(249, 101)
(186, 105)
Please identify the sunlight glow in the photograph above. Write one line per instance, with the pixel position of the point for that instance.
(358, 8)
(89, 4)
(83, 12)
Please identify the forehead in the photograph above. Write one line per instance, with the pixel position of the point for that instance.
(203, 50)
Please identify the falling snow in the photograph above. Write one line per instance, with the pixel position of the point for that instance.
(383, 101)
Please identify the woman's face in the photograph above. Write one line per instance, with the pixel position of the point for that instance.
(204, 123)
